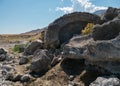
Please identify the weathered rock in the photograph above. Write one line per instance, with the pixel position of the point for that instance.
(107, 31)
(2, 57)
(2, 51)
(111, 13)
(56, 60)
(33, 47)
(17, 77)
(76, 46)
(2, 54)
(7, 68)
(104, 54)
(104, 50)
(106, 81)
(23, 60)
(65, 27)
(25, 78)
(41, 61)
(9, 76)
(71, 77)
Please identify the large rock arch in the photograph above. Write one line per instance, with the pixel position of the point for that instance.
(63, 28)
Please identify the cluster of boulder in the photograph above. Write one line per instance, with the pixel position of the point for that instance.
(63, 42)
(100, 49)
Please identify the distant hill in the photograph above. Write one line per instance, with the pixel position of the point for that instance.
(34, 32)
(99, 12)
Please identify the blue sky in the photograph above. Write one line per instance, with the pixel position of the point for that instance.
(17, 16)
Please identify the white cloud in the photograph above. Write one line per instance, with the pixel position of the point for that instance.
(65, 9)
(85, 5)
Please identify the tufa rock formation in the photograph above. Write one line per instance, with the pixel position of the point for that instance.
(65, 27)
(81, 58)
(107, 31)
(111, 13)
(103, 53)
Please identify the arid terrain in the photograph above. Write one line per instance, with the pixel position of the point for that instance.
(77, 49)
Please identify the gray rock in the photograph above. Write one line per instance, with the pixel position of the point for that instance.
(111, 13)
(9, 76)
(23, 60)
(104, 54)
(71, 77)
(106, 81)
(73, 84)
(7, 68)
(106, 31)
(2, 57)
(17, 77)
(65, 27)
(56, 60)
(33, 47)
(2, 54)
(2, 51)
(76, 46)
(25, 78)
(41, 61)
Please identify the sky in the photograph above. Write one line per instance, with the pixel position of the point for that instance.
(18, 16)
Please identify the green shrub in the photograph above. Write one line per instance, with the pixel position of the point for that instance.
(19, 48)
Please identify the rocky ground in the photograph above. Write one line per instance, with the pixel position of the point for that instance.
(66, 57)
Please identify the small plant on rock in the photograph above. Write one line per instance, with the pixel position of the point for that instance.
(88, 29)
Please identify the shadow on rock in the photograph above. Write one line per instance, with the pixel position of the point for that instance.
(37, 75)
(73, 66)
(89, 76)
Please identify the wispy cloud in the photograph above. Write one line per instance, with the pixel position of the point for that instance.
(85, 5)
(65, 9)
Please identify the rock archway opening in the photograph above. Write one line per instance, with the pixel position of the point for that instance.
(70, 30)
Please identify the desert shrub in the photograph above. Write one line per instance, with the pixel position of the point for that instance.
(33, 38)
(37, 36)
(88, 29)
(19, 48)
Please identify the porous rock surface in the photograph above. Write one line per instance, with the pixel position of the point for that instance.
(41, 61)
(106, 81)
(32, 47)
(65, 27)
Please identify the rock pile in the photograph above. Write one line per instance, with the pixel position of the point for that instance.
(77, 53)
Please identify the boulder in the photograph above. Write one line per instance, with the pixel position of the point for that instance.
(41, 61)
(106, 81)
(3, 54)
(2, 51)
(111, 13)
(65, 27)
(106, 31)
(25, 78)
(17, 77)
(32, 47)
(76, 46)
(104, 54)
(2, 57)
(23, 60)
